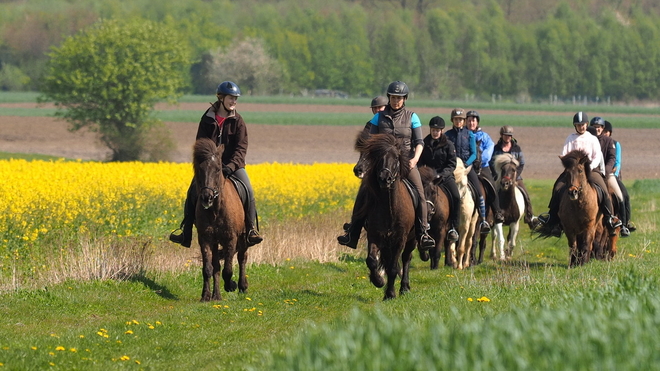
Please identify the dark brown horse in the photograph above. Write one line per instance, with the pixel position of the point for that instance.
(578, 208)
(389, 211)
(220, 220)
(438, 209)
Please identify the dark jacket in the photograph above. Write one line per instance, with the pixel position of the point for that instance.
(440, 155)
(608, 147)
(233, 135)
(515, 151)
(465, 144)
(398, 123)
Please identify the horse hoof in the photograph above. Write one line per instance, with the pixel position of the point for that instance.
(231, 287)
(424, 255)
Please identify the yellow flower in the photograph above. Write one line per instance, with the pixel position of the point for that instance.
(125, 358)
(470, 299)
(60, 348)
(129, 332)
(483, 299)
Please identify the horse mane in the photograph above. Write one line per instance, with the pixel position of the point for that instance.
(503, 159)
(203, 150)
(576, 157)
(459, 171)
(376, 146)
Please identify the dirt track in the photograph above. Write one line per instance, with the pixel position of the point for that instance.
(309, 144)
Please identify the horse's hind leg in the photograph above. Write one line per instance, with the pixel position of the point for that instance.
(374, 266)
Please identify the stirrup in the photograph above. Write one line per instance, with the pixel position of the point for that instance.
(253, 237)
(346, 240)
(426, 242)
(485, 227)
(543, 218)
(452, 235)
(625, 232)
(180, 238)
(499, 217)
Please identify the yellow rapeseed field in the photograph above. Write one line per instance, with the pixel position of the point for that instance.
(45, 200)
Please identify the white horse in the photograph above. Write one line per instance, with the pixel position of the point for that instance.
(512, 204)
(468, 219)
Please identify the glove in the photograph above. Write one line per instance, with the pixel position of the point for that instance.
(438, 179)
(226, 171)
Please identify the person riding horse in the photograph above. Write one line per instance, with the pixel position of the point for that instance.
(440, 154)
(222, 124)
(608, 130)
(466, 149)
(405, 125)
(582, 140)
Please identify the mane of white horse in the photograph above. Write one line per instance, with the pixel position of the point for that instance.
(503, 159)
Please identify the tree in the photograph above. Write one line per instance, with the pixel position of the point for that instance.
(109, 77)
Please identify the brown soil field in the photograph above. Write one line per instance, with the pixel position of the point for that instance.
(310, 144)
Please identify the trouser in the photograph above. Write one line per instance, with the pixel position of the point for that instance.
(454, 211)
(626, 203)
(529, 213)
(420, 211)
(473, 179)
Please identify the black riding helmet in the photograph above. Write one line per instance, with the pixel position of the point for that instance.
(398, 88)
(437, 122)
(597, 121)
(228, 88)
(473, 114)
(608, 126)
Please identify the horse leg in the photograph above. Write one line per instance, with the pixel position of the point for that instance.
(514, 228)
(406, 257)
(228, 269)
(391, 263)
(573, 251)
(242, 262)
(207, 270)
(498, 242)
(585, 243)
(374, 266)
(216, 273)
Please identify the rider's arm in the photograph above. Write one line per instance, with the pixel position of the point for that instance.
(487, 147)
(473, 150)
(617, 163)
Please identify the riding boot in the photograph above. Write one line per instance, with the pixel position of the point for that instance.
(549, 224)
(185, 237)
(625, 232)
(452, 234)
(352, 235)
(253, 236)
(485, 227)
(611, 221)
(530, 219)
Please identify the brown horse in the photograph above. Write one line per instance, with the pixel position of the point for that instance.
(579, 212)
(438, 209)
(389, 211)
(220, 220)
(512, 203)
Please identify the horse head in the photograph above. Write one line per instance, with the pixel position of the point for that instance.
(506, 167)
(362, 165)
(577, 168)
(385, 155)
(207, 163)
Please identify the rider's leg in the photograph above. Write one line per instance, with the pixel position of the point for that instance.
(530, 219)
(185, 237)
(611, 222)
(454, 211)
(626, 205)
(614, 185)
(494, 197)
(253, 236)
(425, 241)
(550, 223)
(354, 228)
(473, 178)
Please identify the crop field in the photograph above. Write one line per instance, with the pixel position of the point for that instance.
(88, 279)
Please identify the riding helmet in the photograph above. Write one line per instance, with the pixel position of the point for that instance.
(580, 118)
(506, 130)
(398, 88)
(228, 88)
(608, 126)
(597, 121)
(473, 114)
(458, 112)
(379, 101)
(437, 122)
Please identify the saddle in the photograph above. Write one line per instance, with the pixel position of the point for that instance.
(488, 186)
(413, 192)
(241, 188)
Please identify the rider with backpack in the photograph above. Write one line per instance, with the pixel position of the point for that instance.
(222, 124)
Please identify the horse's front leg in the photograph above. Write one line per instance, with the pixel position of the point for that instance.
(374, 265)
(406, 257)
(228, 270)
(207, 269)
(498, 242)
(391, 262)
(216, 272)
(242, 262)
(514, 228)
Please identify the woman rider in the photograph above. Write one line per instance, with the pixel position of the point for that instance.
(466, 149)
(440, 154)
(224, 125)
(405, 125)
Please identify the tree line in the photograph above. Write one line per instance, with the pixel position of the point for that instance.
(442, 49)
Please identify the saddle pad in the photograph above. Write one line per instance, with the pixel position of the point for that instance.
(413, 192)
(241, 188)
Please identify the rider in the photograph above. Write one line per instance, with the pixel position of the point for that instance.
(440, 154)
(508, 144)
(405, 125)
(485, 145)
(608, 147)
(466, 149)
(581, 140)
(617, 173)
(223, 125)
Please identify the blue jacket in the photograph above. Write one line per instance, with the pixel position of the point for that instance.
(465, 143)
(486, 145)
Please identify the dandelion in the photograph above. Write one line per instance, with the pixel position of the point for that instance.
(158, 323)
(483, 299)
(33, 348)
(60, 348)
(125, 358)
(73, 350)
(129, 332)
(470, 299)
(51, 363)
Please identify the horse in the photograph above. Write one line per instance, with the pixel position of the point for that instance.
(512, 203)
(220, 220)
(460, 253)
(389, 211)
(438, 209)
(579, 211)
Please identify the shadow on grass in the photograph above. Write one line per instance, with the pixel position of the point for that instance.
(160, 290)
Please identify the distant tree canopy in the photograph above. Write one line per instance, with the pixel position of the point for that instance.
(108, 79)
(441, 48)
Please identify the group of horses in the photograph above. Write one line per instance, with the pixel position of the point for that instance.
(390, 221)
(390, 216)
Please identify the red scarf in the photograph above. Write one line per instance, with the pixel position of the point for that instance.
(220, 120)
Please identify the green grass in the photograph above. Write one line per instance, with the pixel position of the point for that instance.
(304, 315)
